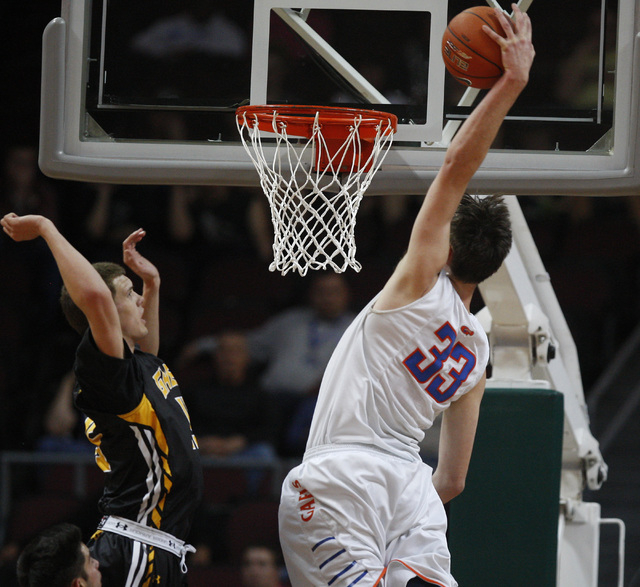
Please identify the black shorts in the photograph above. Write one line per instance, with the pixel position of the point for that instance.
(129, 563)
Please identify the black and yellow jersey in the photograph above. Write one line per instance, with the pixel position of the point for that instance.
(139, 423)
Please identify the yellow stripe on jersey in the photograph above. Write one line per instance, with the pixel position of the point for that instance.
(194, 440)
(96, 439)
(155, 449)
(150, 574)
(145, 415)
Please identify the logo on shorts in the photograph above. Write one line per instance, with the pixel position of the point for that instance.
(308, 503)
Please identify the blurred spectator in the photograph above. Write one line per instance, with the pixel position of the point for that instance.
(212, 220)
(62, 423)
(297, 429)
(8, 557)
(29, 309)
(383, 227)
(378, 76)
(573, 236)
(119, 210)
(167, 125)
(578, 72)
(200, 52)
(231, 415)
(295, 345)
(24, 189)
(261, 567)
(199, 28)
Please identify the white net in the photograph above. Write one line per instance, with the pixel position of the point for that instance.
(314, 186)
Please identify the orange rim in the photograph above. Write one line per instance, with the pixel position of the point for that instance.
(335, 121)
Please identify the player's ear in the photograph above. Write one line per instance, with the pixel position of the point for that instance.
(78, 583)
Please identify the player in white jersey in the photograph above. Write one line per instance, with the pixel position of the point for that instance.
(362, 508)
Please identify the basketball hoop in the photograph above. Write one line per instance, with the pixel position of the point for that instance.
(314, 172)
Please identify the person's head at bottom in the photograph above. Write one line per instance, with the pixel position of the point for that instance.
(260, 567)
(57, 557)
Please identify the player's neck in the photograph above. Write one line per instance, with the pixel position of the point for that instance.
(130, 343)
(464, 290)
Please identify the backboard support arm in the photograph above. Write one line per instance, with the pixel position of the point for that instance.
(531, 346)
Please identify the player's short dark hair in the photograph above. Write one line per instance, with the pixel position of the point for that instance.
(74, 315)
(480, 238)
(53, 558)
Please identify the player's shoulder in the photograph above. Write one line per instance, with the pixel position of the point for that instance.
(405, 286)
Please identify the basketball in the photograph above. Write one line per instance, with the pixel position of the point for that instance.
(470, 55)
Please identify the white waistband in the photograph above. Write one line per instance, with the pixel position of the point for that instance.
(370, 448)
(150, 536)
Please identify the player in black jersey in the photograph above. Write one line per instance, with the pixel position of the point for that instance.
(136, 416)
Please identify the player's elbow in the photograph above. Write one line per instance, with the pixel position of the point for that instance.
(96, 303)
(457, 487)
(449, 487)
(94, 297)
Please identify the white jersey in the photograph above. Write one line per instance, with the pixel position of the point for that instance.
(394, 371)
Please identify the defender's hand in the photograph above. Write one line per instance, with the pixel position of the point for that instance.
(132, 258)
(23, 228)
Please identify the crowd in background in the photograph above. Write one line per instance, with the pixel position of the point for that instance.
(280, 330)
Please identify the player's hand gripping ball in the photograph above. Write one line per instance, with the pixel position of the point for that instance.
(470, 55)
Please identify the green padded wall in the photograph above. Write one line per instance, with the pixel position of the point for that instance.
(503, 527)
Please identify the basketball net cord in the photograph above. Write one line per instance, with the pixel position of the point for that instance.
(313, 210)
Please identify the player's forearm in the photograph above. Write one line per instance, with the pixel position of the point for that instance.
(464, 156)
(151, 296)
(472, 142)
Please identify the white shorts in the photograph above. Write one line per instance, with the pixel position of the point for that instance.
(352, 516)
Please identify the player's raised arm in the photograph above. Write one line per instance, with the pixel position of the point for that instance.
(428, 248)
(150, 276)
(85, 286)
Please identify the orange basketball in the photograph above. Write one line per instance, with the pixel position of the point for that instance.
(469, 54)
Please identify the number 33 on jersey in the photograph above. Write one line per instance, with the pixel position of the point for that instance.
(443, 368)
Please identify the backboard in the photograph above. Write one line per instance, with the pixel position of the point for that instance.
(146, 92)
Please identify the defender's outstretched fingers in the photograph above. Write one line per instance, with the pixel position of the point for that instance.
(135, 237)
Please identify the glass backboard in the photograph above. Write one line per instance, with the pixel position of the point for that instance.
(146, 92)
